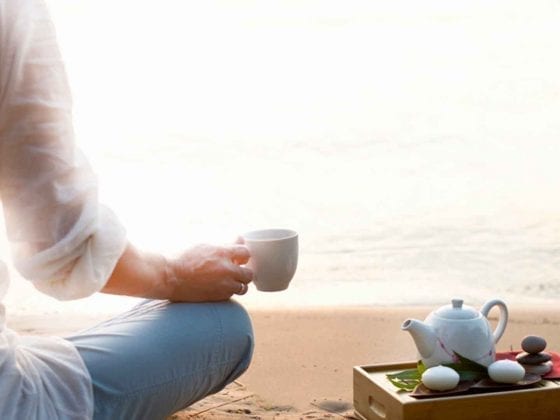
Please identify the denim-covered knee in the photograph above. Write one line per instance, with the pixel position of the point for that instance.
(237, 335)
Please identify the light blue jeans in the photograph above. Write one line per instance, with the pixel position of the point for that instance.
(160, 357)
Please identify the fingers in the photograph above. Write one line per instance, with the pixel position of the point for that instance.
(243, 276)
(242, 288)
(247, 274)
(239, 254)
(236, 278)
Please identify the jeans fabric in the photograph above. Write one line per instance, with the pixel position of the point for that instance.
(160, 357)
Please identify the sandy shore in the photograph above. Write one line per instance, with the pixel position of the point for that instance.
(302, 367)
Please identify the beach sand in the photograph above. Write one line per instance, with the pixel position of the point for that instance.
(303, 360)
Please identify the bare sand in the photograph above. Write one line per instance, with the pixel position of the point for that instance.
(302, 366)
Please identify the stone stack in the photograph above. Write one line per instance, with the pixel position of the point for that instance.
(533, 358)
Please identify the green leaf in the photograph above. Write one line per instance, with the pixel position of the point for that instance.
(421, 367)
(465, 364)
(406, 380)
(406, 374)
(469, 375)
(405, 385)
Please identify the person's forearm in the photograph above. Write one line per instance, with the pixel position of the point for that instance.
(140, 274)
(202, 273)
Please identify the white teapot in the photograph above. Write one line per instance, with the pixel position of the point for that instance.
(458, 328)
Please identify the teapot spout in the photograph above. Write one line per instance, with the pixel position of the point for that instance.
(423, 335)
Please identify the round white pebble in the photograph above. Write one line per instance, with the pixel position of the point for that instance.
(506, 371)
(440, 378)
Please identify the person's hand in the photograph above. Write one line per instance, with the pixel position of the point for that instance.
(201, 274)
(209, 273)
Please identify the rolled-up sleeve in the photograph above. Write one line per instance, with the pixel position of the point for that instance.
(63, 240)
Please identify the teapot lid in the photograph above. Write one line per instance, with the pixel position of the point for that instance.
(457, 311)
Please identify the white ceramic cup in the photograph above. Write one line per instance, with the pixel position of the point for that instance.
(274, 256)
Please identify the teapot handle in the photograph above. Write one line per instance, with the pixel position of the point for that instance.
(485, 310)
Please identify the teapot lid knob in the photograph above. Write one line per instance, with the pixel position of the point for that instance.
(457, 303)
(457, 311)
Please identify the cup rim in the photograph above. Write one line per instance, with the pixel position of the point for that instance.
(273, 234)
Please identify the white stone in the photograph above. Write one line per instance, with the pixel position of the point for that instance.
(506, 371)
(440, 378)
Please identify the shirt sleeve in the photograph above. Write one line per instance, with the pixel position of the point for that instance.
(62, 239)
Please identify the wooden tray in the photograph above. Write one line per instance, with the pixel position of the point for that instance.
(375, 398)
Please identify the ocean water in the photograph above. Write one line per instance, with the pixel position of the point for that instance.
(413, 145)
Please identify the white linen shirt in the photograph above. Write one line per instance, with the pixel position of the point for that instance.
(62, 240)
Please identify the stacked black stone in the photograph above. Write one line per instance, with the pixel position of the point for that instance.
(534, 359)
